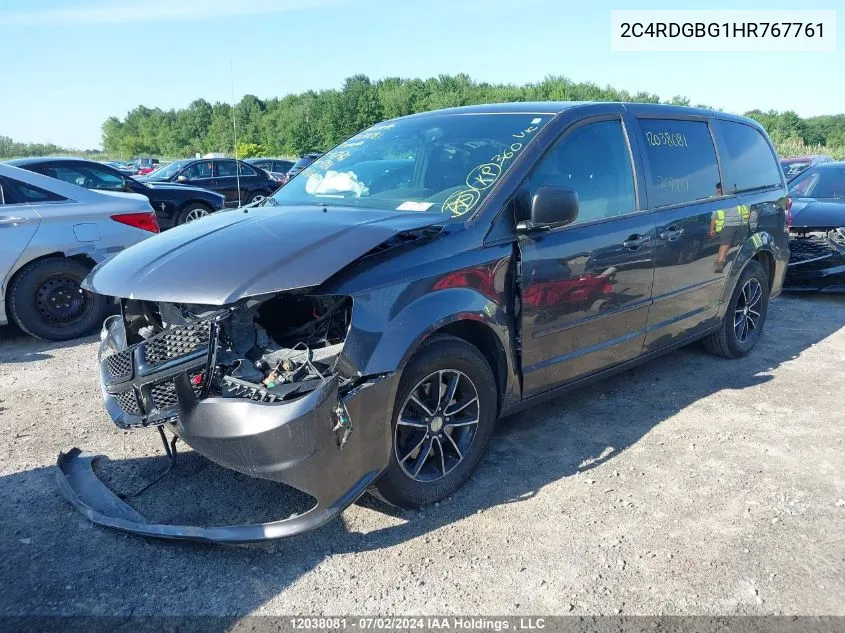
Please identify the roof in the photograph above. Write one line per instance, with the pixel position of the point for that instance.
(557, 107)
(35, 160)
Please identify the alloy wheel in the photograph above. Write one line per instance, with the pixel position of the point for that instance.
(436, 425)
(747, 311)
(195, 214)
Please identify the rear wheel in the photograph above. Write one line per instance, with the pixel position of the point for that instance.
(743, 322)
(46, 300)
(443, 418)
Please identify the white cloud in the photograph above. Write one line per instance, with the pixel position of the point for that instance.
(136, 11)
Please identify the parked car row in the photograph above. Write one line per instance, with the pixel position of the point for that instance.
(173, 203)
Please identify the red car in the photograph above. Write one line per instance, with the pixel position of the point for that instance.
(145, 165)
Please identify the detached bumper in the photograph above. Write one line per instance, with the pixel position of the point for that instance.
(295, 442)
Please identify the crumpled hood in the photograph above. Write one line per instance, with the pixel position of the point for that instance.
(811, 214)
(246, 252)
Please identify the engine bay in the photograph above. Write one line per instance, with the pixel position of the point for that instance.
(263, 349)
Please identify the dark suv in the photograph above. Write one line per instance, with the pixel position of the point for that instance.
(173, 204)
(239, 182)
(430, 275)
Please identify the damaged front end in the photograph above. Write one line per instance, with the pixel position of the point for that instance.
(253, 387)
(816, 262)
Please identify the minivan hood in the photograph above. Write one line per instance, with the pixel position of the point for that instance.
(235, 254)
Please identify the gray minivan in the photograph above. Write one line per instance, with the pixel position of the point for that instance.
(370, 322)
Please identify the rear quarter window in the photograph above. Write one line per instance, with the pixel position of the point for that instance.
(748, 162)
(681, 161)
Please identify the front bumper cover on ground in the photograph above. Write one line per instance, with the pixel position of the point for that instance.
(296, 442)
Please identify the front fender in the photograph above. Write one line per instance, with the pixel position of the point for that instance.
(369, 351)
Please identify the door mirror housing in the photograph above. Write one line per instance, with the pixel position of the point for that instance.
(551, 207)
(182, 178)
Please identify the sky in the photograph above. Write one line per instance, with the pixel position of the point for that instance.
(70, 64)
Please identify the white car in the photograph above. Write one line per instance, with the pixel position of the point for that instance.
(52, 234)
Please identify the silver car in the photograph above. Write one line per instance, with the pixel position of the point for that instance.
(52, 234)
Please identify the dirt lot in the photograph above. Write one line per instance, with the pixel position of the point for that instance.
(692, 485)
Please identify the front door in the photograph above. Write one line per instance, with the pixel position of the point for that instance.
(586, 287)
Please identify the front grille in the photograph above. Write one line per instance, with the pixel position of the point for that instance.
(164, 393)
(176, 343)
(128, 401)
(806, 249)
(120, 365)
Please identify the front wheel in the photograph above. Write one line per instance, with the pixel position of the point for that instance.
(443, 418)
(743, 322)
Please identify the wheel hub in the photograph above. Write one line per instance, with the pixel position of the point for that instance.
(436, 424)
(60, 300)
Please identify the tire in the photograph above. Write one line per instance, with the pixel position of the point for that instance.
(45, 300)
(441, 473)
(728, 340)
(192, 211)
(255, 196)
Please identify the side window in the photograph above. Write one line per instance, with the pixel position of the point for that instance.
(198, 170)
(104, 179)
(246, 170)
(594, 161)
(682, 161)
(226, 168)
(749, 163)
(16, 191)
(282, 166)
(69, 175)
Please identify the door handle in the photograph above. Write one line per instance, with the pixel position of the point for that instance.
(635, 241)
(11, 220)
(672, 233)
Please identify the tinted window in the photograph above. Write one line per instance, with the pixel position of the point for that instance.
(246, 170)
(226, 168)
(750, 163)
(85, 176)
(594, 161)
(198, 170)
(16, 192)
(682, 161)
(263, 164)
(281, 166)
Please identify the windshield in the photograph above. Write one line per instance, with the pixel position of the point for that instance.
(792, 168)
(169, 170)
(442, 163)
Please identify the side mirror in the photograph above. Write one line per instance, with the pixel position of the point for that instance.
(551, 207)
(182, 178)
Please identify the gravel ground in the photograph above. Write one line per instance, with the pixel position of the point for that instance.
(692, 485)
